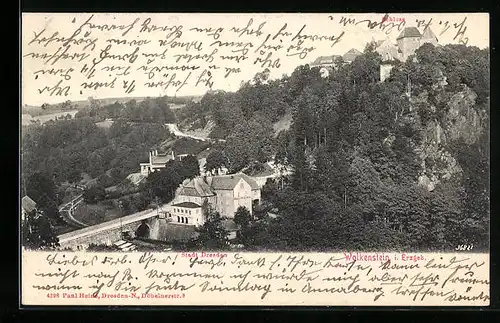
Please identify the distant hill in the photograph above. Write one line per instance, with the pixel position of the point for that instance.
(34, 110)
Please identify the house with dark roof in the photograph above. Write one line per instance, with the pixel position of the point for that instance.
(224, 192)
(351, 55)
(156, 162)
(326, 64)
(326, 61)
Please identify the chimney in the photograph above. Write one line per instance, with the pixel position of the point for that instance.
(156, 152)
(150, 156)
(173, 156)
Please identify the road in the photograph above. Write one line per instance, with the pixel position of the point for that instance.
(67, 210)
(173, 128)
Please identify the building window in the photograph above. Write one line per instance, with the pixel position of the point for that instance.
(189, 212)
(187, 220)
(178, 219)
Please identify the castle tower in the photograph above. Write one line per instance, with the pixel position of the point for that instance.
(409, 41)
(428, 37)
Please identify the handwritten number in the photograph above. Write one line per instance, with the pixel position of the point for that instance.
(464, 247)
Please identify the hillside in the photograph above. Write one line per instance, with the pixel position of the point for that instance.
(409, 159)
(367, 165)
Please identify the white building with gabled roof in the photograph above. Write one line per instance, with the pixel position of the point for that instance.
(156, 162)
(224, 192)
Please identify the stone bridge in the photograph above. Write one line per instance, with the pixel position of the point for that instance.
(106, 233)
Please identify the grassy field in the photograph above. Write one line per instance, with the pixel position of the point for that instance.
(92, 214)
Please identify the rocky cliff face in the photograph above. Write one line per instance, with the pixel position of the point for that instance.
(462, 120)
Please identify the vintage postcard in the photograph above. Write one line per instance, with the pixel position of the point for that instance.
(255, 159)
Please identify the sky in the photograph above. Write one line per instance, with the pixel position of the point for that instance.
(40, 74)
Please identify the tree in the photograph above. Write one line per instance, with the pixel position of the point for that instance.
(212, 235)
(190, 167)
(37, 232)
(42, 189)
(215, 160)
(163, 183)
(94, 194)
(242, 217)
(269, 190)
(249, 142)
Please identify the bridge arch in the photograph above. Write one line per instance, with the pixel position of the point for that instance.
(143, 230)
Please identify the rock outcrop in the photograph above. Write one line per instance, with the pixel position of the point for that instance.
(461, 121)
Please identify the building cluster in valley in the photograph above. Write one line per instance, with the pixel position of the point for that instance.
(408, 41)
(225, 193)
(176, 220)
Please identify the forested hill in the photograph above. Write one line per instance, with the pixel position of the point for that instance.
(398, 164)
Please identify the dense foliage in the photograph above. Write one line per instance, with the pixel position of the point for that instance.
(66, 149)
(212, 235)
(163, 183)
(37, 232)
(359, 149)
(151, 110)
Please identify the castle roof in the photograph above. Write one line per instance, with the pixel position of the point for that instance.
(429, 35)
(409, 32)
(351, 55)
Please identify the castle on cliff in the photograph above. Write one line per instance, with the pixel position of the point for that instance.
(408, 41)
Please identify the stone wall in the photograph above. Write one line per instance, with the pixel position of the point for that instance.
(106, 237)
